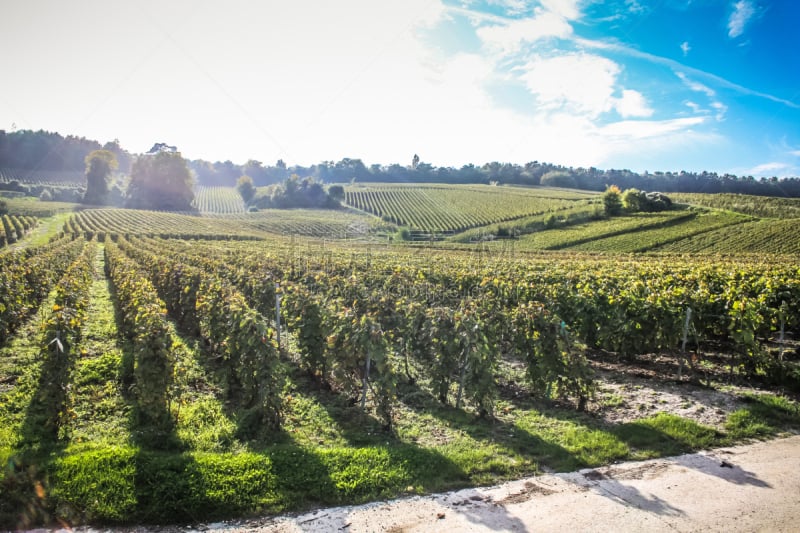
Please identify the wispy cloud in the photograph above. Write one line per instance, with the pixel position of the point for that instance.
(685, 48)
(719, 108)
(680, 67)
(773, 168)
(696, 86)
(795, 153)
(743, 12)
(634, 6)
(643, 129)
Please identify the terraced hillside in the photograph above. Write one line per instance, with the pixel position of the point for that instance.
(456, 208)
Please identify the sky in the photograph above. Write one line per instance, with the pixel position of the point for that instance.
(662, 85)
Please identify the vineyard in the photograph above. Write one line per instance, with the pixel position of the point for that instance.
(333, 224)
(441, 208)
(48, 178)
(763, 236)
(654, 237)
(164, 368)
(14, 227)
(757, 206)
(218, 200)
(143, 379)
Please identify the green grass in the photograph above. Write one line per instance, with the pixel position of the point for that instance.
(99, 409)
(330, 453)
(764, 416)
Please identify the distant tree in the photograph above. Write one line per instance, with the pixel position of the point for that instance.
(295, 192)
(162, 147)
(612, 201)
(632, 200)
(246, 188)
(336, 193)
(415, 161)
(99, 166)
(3, 207)
(123, 157)
(558, 178)
(161, 181)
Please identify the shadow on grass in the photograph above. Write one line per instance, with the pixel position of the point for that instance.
(25, 486)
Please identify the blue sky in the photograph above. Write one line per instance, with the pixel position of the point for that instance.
(664, 85)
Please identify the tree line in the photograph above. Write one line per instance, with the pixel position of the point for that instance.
(41, 150)
(532, 173)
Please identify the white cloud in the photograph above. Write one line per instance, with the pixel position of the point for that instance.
(743, 12)
(685, 48)
(550, 19)
(632, 104)
(581, 83)
(720, 108)
(509, 38)
(564, 8)
(795, 153)
(512, 7)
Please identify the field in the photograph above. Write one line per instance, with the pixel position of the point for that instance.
(144, 378)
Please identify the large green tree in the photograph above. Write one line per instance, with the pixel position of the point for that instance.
(162, 181)
(99, 166)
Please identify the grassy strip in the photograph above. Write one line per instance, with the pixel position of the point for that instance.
(100, 412)
(127, 485)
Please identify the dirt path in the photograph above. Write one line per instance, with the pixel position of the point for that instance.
(754, 487)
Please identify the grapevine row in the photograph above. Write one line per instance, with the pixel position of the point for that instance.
(236, 334)
(26, 278)
(62, 333)
(14, 227)
(629, 307)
